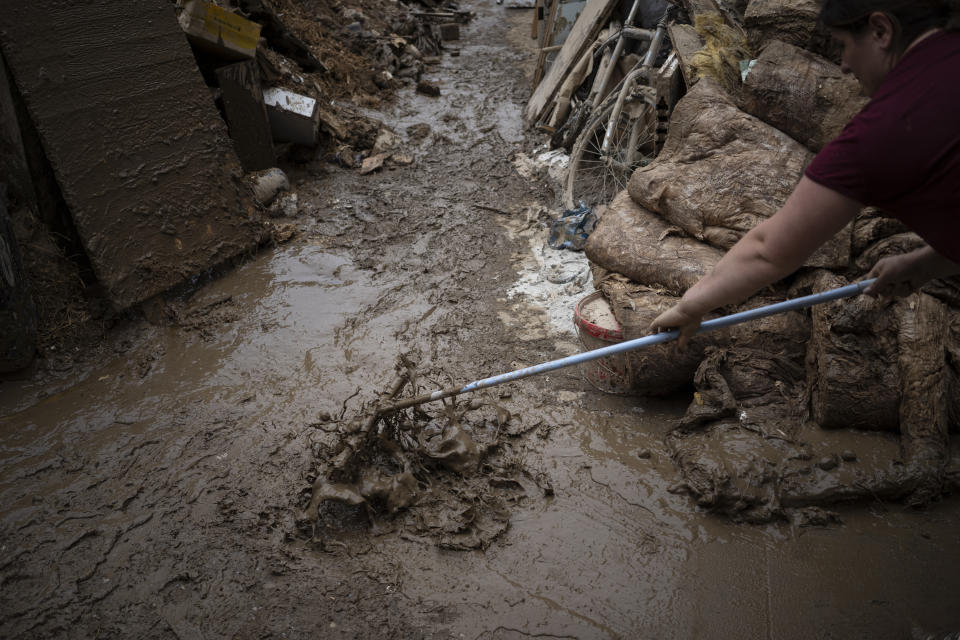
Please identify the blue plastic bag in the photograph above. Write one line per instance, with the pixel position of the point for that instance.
(572, 228)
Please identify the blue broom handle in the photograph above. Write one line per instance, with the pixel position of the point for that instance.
(631, 345)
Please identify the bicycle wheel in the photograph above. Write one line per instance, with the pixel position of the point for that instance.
(594, 177)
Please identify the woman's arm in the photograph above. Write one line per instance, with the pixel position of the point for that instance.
(770, 251)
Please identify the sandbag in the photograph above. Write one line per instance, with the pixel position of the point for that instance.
(922, 324)
(764, 392)
(872, 225)
(722, 171)
(801, 94)
(894, 245)
(645, 248)
(783, 335)
(852, 363)
(791, 21)
(732, 444)
(660, 369)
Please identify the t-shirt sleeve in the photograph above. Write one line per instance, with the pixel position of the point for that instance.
(839, 165)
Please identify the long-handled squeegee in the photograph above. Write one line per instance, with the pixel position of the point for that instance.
(631, 345)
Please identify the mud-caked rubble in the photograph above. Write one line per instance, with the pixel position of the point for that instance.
(446, 475)
(781, 405)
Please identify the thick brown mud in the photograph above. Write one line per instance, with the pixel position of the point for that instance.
(157, 491)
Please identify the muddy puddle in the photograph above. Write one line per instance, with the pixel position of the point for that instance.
(157, 493)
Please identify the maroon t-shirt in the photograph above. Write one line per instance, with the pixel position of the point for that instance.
(901, 153)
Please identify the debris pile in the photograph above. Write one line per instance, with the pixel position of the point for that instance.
(280, 81)
(445, 475)
(763, 437)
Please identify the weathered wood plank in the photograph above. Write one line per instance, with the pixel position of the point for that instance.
(686, 42)
(592, 19)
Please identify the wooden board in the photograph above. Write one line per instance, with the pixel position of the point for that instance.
(593, 18)
(136, 144)
(686, 42)
(547, 41)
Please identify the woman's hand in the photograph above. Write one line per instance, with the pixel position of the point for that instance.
(677, 318)
(896, 277)
(899, 276)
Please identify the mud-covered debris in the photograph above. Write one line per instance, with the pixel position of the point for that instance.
(213, 28)
(419, 131)
(384, 80)
(791, 21)
(373, 163)
(283, 232)
(660, 369)
(813, 517)
(267, 184)
(294, 117)
(386, 141)
(428, 88)
(401, 159)
(827, 463)
(446, 472)
(450, 31)
(281, 37)
(345, 156)
(204, 317)
(286, 206)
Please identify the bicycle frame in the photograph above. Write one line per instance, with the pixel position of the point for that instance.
(640, 70)
(599, 91)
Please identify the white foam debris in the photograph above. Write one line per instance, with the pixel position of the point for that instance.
(554, 280)
(544, 163)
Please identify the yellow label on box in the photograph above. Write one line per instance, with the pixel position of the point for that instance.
(231, 28)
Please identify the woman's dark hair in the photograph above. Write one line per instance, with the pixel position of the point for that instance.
(910, 18)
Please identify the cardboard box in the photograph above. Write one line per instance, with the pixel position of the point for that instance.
(293, 117)
(217, 30)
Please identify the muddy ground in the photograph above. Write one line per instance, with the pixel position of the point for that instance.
(155, 491)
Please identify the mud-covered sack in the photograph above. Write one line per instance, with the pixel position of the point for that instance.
(792, 21)
(738, 431)
(761, 391)
(852, 363)
(782, 335)
(801, 94)
(647, 249)
(722, 172)
(658, 369)
(872, 225)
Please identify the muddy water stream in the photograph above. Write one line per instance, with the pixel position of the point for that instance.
(155, 493)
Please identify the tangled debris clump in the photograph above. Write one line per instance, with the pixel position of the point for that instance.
(448, 475)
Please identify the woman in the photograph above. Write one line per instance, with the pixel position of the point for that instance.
(901, 153)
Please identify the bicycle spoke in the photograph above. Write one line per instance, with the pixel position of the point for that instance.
(597, 177)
